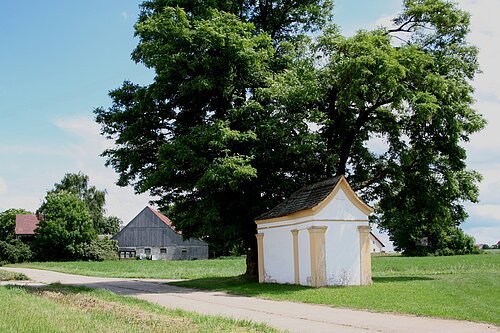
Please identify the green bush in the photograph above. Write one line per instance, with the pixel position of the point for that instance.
(456, 242)
(99, 250)
(14, 251)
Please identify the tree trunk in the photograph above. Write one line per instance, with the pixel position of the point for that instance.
(252, 261)
(349, 139)
(251, 250)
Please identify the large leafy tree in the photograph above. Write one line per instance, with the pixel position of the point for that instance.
(66, 228)
(245, 108)
(79, 185)
(196, 137)
(95, 200)
(408, 86)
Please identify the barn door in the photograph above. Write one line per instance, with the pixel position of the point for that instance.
(184, 254)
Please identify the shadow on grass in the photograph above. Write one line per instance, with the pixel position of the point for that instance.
(244, 286)
(389, 279)
(241, 285)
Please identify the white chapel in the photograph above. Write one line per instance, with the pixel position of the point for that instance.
(319, 236)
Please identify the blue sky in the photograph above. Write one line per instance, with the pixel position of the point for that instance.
(60, 58)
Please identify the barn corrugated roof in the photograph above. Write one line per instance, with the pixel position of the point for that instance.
(26, 224)
(305, 198)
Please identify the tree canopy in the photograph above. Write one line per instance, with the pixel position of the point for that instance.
(247, 106)
(78, 184)
(65, 229)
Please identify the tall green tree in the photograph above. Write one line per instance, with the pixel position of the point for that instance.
(8, 223)
(245, 108)
(196, 137)
(66, 228)
(95, 200)
(409, 86)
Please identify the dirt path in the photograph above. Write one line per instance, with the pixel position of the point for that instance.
(294, 317)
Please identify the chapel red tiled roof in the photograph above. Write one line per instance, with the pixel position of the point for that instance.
(26, 224)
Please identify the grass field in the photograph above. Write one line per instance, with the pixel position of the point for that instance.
(459, 287)
(8, 276)
(73, 310)
(158, 269)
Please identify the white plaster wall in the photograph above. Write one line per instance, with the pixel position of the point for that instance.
(340, 208)
(343, 266)
(342, 251)
(342, 218)
(278, 255)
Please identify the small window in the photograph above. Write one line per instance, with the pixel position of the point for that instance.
(163, 251)
(122, 254)
(147, 251)
(184, 251)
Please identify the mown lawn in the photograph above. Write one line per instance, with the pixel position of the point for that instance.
(160, 269)
(458, 287)
(73, 310)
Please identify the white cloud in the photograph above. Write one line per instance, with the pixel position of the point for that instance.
(124, 15)
(121, 202)
(485, 32)
(489, 187)
(36, 168)
(491, 213)
(487, 140)
(484, 235)
(484, 147)
(385, 21)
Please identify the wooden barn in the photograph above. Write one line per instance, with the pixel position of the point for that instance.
(319, 236)
(151, 234)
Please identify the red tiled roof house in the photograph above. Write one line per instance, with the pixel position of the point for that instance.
(26, 225)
